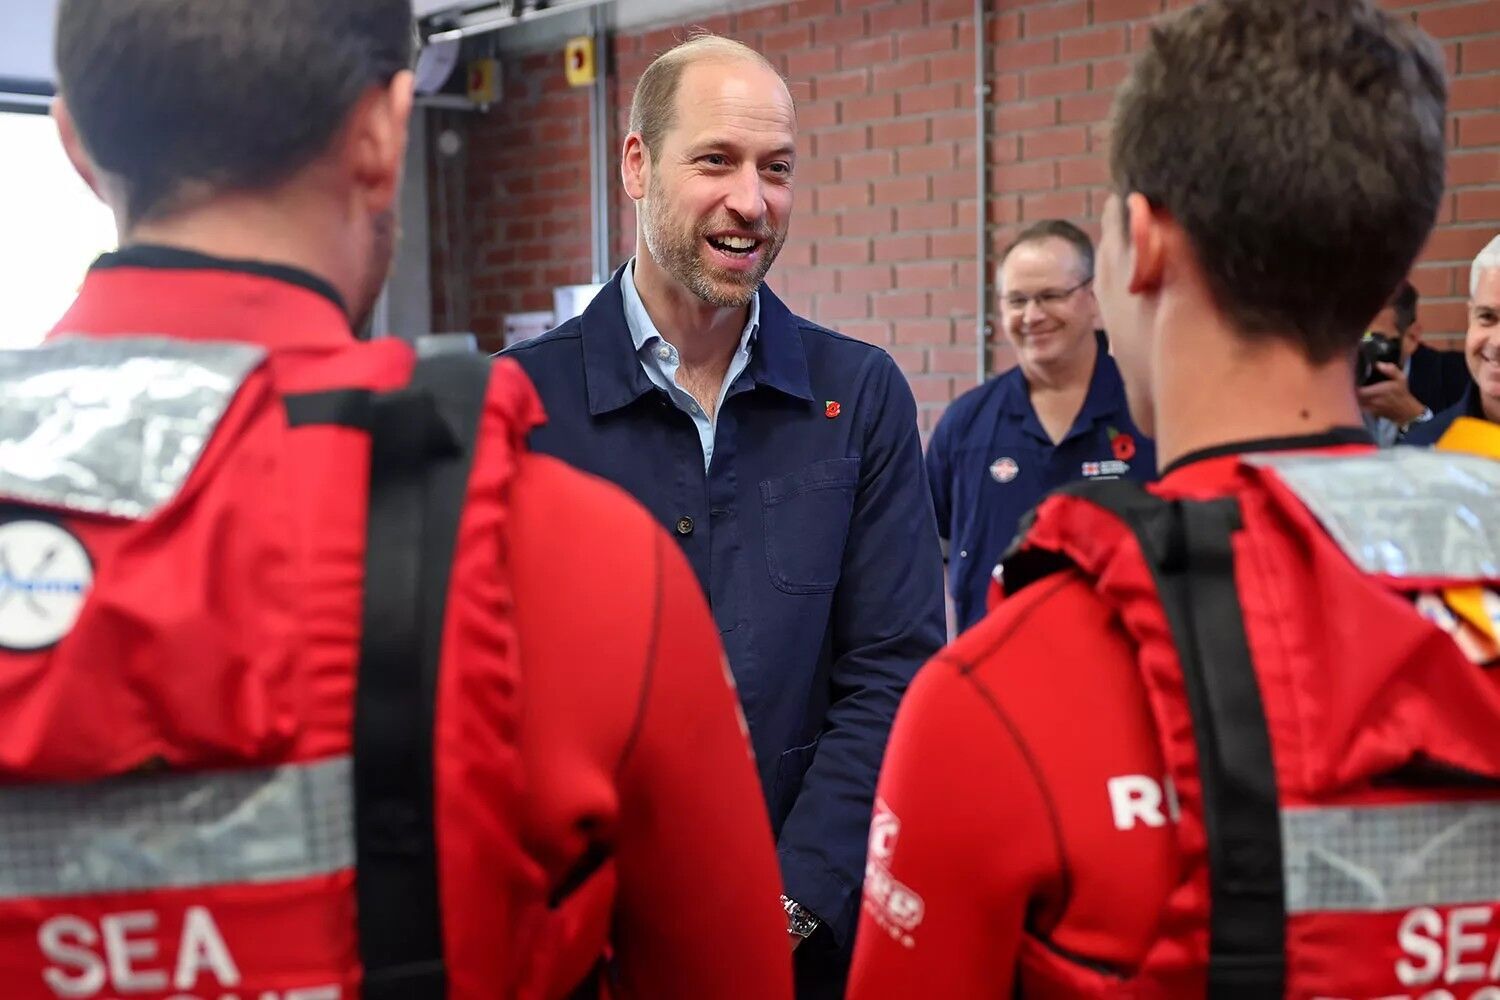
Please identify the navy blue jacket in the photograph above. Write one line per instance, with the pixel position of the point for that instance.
(812, 534)
(1437, 378)
(1470, 405)
(990, 461)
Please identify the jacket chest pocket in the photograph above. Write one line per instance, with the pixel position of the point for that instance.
(807, 523)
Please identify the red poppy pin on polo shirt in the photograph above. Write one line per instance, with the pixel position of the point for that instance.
(1122, 444)
(831, 409)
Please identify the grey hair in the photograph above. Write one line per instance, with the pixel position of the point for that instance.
(1488, 258)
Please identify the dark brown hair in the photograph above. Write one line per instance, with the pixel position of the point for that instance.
(1404, 305)
(1300, 144)
(219, 94)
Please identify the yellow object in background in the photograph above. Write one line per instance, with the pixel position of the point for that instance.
(1475, 610)
(1476, 437)
(1478, 645)
(581, 66)
(1477, 606)
(484, 81)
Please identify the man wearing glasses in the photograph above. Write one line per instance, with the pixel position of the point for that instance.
(1058, 416)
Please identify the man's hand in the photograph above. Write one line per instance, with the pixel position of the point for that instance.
(1391, 399)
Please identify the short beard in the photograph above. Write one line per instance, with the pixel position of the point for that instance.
(682, 259)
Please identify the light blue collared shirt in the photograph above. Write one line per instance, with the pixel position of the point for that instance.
(1384, 431)
(660, 360)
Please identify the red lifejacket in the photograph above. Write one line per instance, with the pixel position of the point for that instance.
(197, 801)
(1333, 757)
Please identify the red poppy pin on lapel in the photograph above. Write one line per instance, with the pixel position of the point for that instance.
(831, 409)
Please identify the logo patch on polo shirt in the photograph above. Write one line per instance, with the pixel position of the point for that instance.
(1102, 470)
(1003, 470)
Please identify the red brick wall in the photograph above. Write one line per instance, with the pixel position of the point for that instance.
(516, 208)
(1056, 63)
(883, 243)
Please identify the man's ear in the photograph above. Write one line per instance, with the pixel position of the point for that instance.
(1147, 240)
(635, 166)
(1095, 316)
(376, 139)
(73, 147)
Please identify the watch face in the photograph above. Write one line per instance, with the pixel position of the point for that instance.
(800, 921)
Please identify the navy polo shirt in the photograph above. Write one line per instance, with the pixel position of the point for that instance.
(990, 461)
(811, 531)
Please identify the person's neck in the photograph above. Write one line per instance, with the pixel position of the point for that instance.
(1066, 375)
(705, 335)
(1214, 387)
(250, 228)
(1490, 407)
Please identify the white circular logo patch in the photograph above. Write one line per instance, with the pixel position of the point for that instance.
(1004, 470)
(45, 576)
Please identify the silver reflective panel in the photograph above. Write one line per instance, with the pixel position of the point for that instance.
(1378, 858)
(176, 831)
(1403, 512)
(112, 425)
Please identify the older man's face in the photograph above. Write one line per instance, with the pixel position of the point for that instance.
(1482, 344)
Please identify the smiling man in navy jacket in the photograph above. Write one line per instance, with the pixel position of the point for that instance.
(784, 458)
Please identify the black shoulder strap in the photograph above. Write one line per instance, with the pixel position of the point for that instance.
(422, 447)
(338, 407)
(1188, 545)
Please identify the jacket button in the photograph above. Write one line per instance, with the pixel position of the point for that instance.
(684, 525)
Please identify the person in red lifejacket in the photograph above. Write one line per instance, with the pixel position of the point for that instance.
(1231, 735)
(315, 684)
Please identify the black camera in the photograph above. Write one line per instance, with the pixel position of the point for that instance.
(1373, 349)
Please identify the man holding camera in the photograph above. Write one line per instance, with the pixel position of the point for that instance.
(1402, 382)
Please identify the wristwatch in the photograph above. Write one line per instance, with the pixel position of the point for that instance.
(800, 921)
(1422, 418)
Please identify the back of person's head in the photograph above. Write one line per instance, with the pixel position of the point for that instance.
(1299, 144)
(1403, 305)
(178, 100)
(1057, 229)
(653, 109)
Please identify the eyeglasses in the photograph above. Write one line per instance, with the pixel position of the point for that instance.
(1046, 300)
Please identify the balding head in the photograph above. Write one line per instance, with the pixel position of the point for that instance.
(653, 112)
(709, 161)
